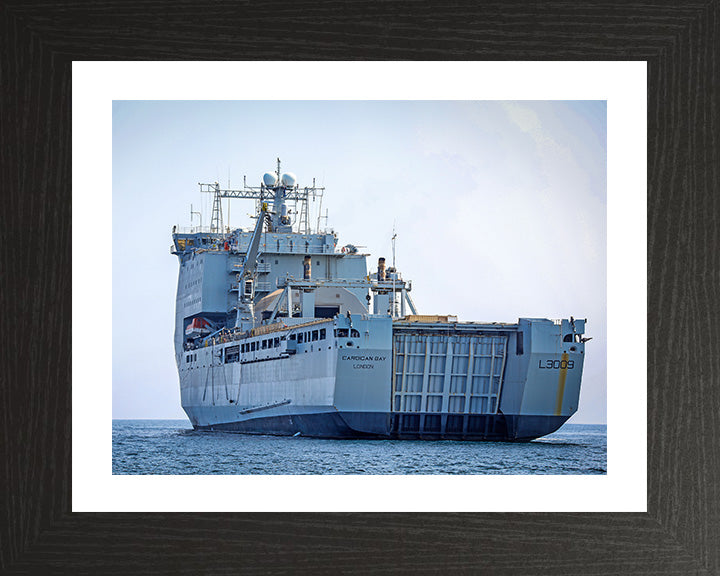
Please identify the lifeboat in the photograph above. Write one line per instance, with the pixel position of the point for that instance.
(198, 327)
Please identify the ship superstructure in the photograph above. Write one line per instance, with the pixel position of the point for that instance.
(280, 331)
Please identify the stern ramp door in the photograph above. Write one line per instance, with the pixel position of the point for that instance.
(442, 380)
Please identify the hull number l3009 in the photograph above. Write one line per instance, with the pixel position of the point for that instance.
(556, 364)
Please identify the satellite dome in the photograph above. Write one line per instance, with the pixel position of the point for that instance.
(270, 179)
(288, 179)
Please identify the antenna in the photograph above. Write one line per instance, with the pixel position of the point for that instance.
(394, 305)
(319, 211)
(394, 236)
(191, 215)
(320, 216)
(287, 193)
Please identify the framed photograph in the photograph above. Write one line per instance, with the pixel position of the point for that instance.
(463, 209)
(480, 194)
(659, 524)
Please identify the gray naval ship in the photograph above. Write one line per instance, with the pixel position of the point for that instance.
(279, 331)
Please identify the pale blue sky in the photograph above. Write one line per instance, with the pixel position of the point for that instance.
(499, 207)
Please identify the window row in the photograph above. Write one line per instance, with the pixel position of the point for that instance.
(343, 333)
(309, 336)
(262, 344)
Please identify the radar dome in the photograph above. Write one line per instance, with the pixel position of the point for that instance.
(288, 179)
(270, 179)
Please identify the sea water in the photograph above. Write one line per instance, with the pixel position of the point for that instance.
(173, 447)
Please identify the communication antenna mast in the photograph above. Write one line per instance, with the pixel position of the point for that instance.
(394, 237)
(191, 216)
(281, 191)
(320, 211)
(321, 217)
(394, 305)
(227, 205)
(216, 221)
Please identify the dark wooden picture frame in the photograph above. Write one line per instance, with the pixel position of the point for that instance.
(680, 533)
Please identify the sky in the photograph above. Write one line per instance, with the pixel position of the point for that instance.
(500, 210)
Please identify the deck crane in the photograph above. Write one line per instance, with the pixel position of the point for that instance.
(246, 278)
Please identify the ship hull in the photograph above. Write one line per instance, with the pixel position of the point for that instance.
(371, 377)
(363, 425)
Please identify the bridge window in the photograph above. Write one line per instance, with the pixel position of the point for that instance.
(341, 332)
(264, 344)
(354, 333)
(314, 335)
(300, 338)
(276, 342)
(322, 333)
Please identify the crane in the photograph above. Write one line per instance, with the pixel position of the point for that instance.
(246, 284)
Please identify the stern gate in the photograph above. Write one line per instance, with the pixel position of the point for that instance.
(445, 382)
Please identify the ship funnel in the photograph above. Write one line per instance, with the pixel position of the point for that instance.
(381, 269)
(307, 268)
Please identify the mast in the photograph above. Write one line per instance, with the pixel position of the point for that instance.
(394, 307)
(281, 187)
(216, 221)
(193, 212)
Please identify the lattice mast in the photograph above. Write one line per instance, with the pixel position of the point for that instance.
(276, 187)
(216, 221)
